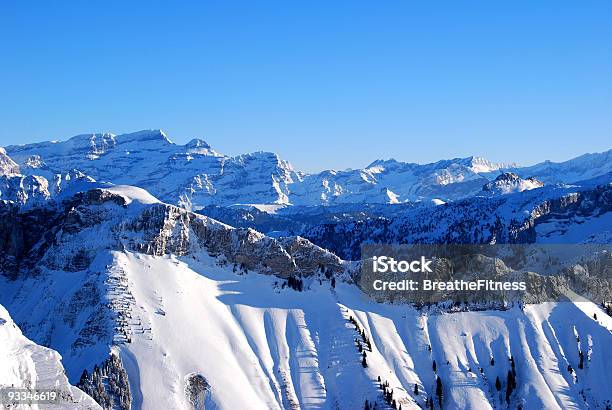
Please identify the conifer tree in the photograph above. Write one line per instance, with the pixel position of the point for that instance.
(439, 390)
(510, 385)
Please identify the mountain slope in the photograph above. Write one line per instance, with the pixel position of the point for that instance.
(184, 174)
(584, 167)
(202, 315)
(29, 366)
(258, 346)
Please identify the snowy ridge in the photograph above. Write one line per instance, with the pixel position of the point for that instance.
(7, 165)
(508, 182)
(34, 190)
(27, 365)
(195, 175)
(584, 167)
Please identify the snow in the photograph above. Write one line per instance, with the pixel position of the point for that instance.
(263, 347)
(25, 364)
(597, 229)
(195, 175)
(132, 193)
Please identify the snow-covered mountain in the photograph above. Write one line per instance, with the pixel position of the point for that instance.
(185, 174)
(576, 214)
(203, 315)
(31, 190)
(152, 306)
(25, 364)
(195, 175)
(581, 168)
(509, 182)
(7, 165)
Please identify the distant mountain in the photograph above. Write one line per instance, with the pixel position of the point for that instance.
(584, 167)
(185, 174)
(195, 175)
(31, 190)
(7, 165)
(575, 214)
(509, 182)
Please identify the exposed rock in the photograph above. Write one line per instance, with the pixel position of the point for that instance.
(197, 389)
(509, 182)
(7, 165)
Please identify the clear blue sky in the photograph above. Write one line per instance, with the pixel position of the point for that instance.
(323, 83)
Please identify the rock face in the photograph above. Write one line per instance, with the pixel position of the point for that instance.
(197, 391)
(28, 365)
(7, 165)
(509, 182)
(35, 190)
(195, 175)
(75, 231)
(511, 218)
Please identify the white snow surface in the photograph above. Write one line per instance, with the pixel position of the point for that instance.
(24, 364)
(132, 193)
(263, 347)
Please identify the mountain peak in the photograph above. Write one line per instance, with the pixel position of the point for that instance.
(197, 143)
(7, 165)
(481, 164)
(143, 136)
(509, 182)
(385, 164)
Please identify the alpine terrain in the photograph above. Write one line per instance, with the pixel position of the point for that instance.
(139, 273)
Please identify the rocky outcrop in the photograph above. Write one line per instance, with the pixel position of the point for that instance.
(168, 229)
(7, 165)
(101, 219)
(509, 182)
(498, 219)
(197, 390)
(24, 236)
(593, 202)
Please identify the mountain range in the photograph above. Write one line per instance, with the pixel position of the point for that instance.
(167, 276)
(194, 175)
